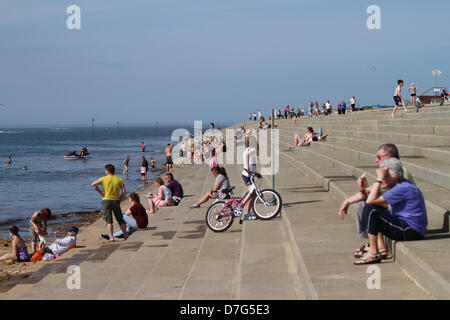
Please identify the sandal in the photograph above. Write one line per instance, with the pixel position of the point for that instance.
(368, 258)
(360, 252)
(383, 254)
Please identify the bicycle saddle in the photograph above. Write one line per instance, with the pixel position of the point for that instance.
(228, 190)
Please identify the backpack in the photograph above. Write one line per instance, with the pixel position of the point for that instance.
(37, 256)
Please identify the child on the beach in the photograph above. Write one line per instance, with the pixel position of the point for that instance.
(38, 228)
(398, 98)
(19, 248)
(161, 199)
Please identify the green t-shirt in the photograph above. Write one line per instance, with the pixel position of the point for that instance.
(111, 187)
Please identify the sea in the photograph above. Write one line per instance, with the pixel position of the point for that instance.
(64, 186)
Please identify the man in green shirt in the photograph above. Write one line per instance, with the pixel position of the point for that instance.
(112, 186)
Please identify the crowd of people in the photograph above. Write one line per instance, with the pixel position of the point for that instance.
(41, 247)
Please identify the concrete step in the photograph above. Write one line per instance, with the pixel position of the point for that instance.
(432, 171)
(418, 259)
(441, 130)
(103, 262)
(323, 244)
(436, 204)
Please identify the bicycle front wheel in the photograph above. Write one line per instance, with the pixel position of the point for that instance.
(270, 207)
(219, 217)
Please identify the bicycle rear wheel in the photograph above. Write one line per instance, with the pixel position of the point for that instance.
(219, 217)
(270, 207)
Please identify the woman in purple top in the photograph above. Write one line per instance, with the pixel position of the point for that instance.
(406, 219)
(175, 187)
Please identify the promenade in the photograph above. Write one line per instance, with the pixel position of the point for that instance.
(305, 253)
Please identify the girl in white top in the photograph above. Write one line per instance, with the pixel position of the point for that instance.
(249, 157)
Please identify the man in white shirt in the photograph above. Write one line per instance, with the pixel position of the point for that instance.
(62, 245)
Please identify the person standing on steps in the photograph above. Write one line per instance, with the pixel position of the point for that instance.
(249, 160)
(398, 99)
(113, 192)
(413, 91)
(353, 103)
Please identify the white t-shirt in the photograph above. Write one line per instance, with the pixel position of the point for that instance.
(62, 245)
(252, 160)
(352, 101)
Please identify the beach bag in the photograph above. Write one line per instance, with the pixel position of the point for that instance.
(37, 256)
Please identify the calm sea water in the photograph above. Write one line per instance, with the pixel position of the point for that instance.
(65, 185)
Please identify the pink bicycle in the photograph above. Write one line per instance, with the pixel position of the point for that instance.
(266, 205)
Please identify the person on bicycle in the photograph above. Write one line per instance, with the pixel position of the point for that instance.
(249, 160)
(215, 192)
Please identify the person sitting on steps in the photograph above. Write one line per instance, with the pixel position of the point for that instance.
(399, 214)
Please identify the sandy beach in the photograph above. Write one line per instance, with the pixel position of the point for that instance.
(91, 225)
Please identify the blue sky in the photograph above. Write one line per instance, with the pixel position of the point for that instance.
(138, 61)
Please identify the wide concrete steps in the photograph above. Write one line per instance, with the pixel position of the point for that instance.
(324, 245)
(417, 258)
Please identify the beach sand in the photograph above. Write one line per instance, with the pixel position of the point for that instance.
(91, 226)
(14, 270)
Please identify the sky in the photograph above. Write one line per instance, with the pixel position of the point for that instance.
(141, 61)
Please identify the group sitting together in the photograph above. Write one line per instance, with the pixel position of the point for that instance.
(393, 207)
(38, 233)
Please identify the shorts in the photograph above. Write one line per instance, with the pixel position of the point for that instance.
(397, 100)
(246, 180)
(413, 95)
(169, 160)
(34, 236)
(110, 207)
(159, 203)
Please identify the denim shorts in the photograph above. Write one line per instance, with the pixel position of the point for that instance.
(246, 180)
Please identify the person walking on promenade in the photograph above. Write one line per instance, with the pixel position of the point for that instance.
(413, 91)
(250, 117)
(254, 116)
(398, 98)
(38, 228)
(353, 103)
(311, 107)
(113, 192)
(125, 164)
(144, 170)
(168, 153)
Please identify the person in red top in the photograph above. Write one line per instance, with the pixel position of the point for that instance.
(135, 217)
